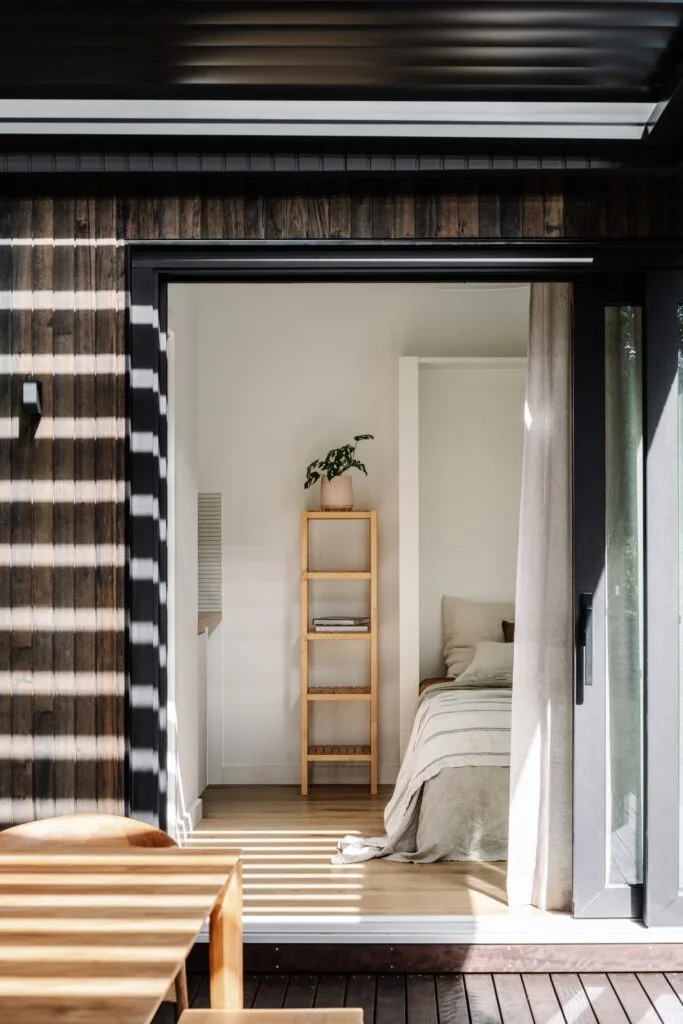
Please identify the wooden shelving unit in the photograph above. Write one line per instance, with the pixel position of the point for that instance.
(316, 753)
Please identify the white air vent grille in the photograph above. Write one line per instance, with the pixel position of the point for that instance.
(210, 518)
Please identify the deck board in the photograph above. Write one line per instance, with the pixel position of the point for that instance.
(301, 992)
(465, 999)
(331, 990)
(271, 992)
(512, 999)
(634, 1000)
(543, 1002)
(603, 999)
(451, 999)
(482, 999)
(361, 992)
(663, 998)
(573, 999)
(390, 1006)
(421, 998)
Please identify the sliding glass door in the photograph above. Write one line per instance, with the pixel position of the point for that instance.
(664, 481)
(628, 499)
(609, 769)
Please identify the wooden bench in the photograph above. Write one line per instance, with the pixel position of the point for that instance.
(346, 1016)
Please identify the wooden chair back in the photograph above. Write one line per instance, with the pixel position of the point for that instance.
(90, 829)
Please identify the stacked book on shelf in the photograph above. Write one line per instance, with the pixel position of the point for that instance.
(341, 624)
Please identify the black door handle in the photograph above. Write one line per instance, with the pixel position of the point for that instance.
(584, 644)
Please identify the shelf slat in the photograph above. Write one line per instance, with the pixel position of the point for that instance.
(339, 693)
(349, 752)
(339, 636)
(337, 574)
(319, 514)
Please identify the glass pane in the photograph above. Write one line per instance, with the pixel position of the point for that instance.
(624, 591)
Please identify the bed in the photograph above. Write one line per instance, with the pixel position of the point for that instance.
(451, 796)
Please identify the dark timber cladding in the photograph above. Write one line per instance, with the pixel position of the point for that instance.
(62, 491)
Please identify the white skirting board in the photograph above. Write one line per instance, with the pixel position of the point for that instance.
(188, 819)
(530, 928)
(290, 775)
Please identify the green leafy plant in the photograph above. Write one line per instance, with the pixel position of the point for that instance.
(336, 462)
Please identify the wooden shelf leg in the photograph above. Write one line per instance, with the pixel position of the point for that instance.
(373, 653)
(304, 655)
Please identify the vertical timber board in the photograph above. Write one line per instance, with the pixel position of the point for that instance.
(532, 211)
(64, 512)
(553, 210)
(5, 508)
(109, 577)
(85, 593)
(318, 216)
(447, 215)
(43, 597)
(404, 216)
(340, 215)
(469, 216)
(21, 589)
(296, 216)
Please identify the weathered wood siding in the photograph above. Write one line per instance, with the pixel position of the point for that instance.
(62, 320)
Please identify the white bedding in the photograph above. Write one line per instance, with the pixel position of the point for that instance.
(451, 796)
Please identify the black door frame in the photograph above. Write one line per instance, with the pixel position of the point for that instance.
(151, 267)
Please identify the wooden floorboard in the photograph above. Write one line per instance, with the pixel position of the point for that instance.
(624, 998)
(287, 842)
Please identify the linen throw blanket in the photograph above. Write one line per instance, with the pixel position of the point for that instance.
(453, 728)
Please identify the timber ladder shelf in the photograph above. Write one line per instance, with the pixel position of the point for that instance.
(316, 753)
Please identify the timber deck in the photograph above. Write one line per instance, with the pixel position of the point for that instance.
(468, 998)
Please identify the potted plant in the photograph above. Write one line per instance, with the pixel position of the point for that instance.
(336, 487)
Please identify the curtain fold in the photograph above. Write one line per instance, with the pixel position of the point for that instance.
(540, 830)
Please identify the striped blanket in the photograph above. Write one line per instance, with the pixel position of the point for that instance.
(453, 728)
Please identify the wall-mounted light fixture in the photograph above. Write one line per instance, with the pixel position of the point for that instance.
(32, 398)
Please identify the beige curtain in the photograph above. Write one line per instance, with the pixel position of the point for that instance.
(540, 839)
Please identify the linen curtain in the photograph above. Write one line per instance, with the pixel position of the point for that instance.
(540, 828)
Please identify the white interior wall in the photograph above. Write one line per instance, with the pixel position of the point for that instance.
(187, 651)
(285, 371)
(471, 431)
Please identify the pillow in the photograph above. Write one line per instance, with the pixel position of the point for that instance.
(465, 623)
(508, 631)
(491, 666)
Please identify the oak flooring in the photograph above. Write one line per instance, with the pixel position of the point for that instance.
(287, 841)
(465, 999)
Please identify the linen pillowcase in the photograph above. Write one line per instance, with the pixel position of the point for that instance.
(508, 631)
(465, 623)
(490, 667)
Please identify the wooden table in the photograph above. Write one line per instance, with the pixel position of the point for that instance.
(97, 936)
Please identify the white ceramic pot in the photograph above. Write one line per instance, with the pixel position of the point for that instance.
(337, 493)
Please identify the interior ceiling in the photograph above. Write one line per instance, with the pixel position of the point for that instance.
(539, 50)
